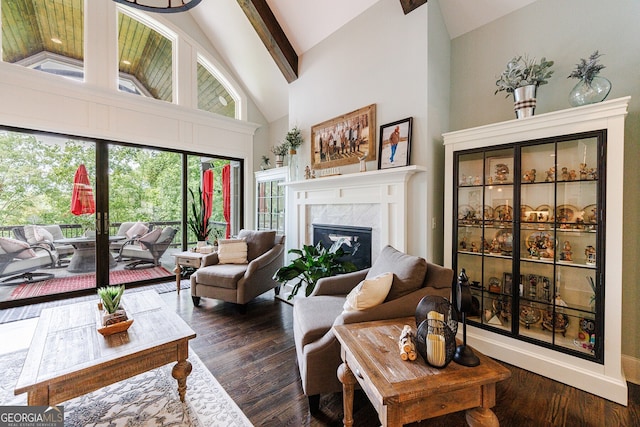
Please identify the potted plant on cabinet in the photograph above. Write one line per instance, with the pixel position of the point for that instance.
(521, 77)
(591, 88)
(293, 139)
(280, 151)
(314, 263)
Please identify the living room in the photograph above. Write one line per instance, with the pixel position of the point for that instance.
(408, 66)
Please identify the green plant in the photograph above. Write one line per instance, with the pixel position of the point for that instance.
(294, 138)
(280, 150)
(197, 221)
(522, 71)
(110, 296)
(314, 263)
(587, 69)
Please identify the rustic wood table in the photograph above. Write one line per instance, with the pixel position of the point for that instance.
(68, 357)
(407, 391)
(186, 259)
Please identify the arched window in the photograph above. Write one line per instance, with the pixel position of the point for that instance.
(213, 95)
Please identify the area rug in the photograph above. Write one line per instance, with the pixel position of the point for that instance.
(149, 399)
(85, 281)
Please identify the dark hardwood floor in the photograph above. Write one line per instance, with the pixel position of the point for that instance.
(253, 357)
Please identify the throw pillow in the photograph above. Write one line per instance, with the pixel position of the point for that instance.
(232, 251)
(369, 293)
(409, 271)
(23, 249)
(42, 234)
(150, 237)
(30, 234)
(258, 242)
(137, 229)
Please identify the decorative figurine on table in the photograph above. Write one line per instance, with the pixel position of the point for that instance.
(307, 172)
(502, 172)
(529, 176)
(565, 255)
(551, 174)
(583, 171)
(463, 244)
(590, 253)
(564, 174)
(476, 180)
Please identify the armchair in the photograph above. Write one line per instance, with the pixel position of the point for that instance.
(318, 350)
(19, 261)
(240, 283)
(46, 236)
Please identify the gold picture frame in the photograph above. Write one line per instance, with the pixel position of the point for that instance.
(345, 139)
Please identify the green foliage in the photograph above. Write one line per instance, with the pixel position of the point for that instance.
(280, 150)
(587, 69)
(294, 139)
(314, 263)
(522, 71)
(110, 296)
(196, 221)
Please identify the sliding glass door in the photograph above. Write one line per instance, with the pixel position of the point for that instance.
(77, 213)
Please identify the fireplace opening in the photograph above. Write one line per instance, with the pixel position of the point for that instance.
(358, 241)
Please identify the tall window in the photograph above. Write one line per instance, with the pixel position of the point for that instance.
(212, 94)
(46, 35)
(145, 59)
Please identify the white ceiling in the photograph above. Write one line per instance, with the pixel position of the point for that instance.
(306, 23)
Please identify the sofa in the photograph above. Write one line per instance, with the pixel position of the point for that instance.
(236, 279)
(318, 350)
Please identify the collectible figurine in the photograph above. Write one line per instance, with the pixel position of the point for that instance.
(551, 174)
(502, 171)
(307, 172)
(565, 174)
(583, 171)
(529, 176)
(565, 255)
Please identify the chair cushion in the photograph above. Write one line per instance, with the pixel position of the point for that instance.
(137, 229)
(10, 245)
(409, 271)
(150, 237)
(258, 242)
(232, 251)
(42, 234)
(167, 234)
(55, 230)
(221, 275)
(369, 293)
(30, 234)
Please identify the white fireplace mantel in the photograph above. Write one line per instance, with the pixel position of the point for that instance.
(376, 198)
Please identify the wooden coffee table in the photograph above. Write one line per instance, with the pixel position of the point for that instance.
(68, 357)
(403, 392)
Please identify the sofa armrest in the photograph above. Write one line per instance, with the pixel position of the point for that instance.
(264, 260)
(399, 307)
(341, 284)
(209, 259)
(438, 276)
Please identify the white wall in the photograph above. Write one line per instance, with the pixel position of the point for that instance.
(563, 31)
(379, 58)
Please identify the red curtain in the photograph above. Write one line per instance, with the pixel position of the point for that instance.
(207, 194)
(226, 197)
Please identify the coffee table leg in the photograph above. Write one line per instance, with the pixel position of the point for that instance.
(348, 381)
(481, 417)
(38, 397)
(180, 372)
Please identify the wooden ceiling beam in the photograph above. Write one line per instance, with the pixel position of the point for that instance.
(271, 34)
(410, 5)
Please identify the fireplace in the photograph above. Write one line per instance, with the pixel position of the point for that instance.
(358, 241)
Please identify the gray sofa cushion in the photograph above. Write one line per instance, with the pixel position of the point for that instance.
(258, 242)
(409, 271)
(221, 275)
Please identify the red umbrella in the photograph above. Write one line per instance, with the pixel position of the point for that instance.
(207, 193)
(82, 201)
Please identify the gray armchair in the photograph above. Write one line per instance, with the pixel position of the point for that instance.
(240, 283)
(317, 348)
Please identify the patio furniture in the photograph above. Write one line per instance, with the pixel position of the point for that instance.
(131, 231)
(147, 250)
(84, 255)
(19, 261)
(237, 281)
(45, 235)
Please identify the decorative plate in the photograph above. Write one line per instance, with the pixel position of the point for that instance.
(487, 212)
(503, 213)
(558, 324)
(527, 214)
(566, 213)
(544, 213)
(466, 212)
(529, 315)
(590, 214)
(541, 245)
(505, 240)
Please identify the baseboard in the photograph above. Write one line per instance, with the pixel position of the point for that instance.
(631, 368)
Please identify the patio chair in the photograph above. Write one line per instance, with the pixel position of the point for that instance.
(19, 261)
(147, 250)
(131, 231)
(46, 236)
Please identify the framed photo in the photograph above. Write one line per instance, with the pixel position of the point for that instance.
(395, 144)
(344, 140)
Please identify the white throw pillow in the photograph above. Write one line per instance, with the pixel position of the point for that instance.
(150, 237)
(42, 234)
(369, 293)
(30, 234)
(137, 229)
(232, 251)
(10, 245)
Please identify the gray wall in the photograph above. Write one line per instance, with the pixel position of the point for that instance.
(564, 31)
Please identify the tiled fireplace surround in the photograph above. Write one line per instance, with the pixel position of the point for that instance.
(376, 199)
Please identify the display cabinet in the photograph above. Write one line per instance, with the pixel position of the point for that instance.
(270, 199)
(529, 204)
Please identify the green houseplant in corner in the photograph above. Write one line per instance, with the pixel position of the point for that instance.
(521, 77)
(197, 222)
(314, 263)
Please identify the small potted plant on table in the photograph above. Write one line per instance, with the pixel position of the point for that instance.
(521, 77)
(112, 317)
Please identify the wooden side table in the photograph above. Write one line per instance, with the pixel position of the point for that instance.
(186, 259)
(408, 391)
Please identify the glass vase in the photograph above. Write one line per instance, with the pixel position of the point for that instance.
(293, 165)
(589, 92)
